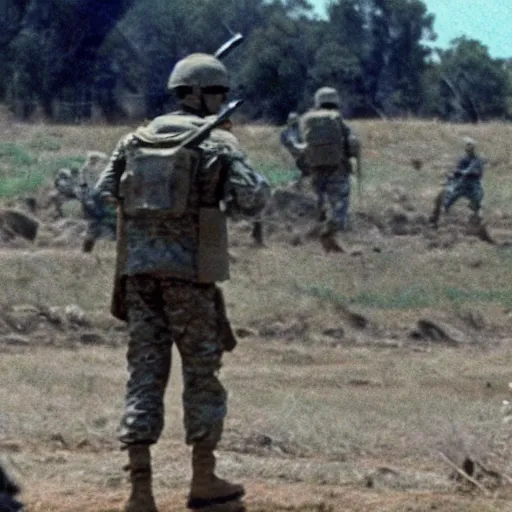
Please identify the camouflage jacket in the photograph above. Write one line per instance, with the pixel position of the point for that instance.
(170, 246)
(470, 168)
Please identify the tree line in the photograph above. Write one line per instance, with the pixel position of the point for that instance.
(71, 58)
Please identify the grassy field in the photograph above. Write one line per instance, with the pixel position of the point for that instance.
(326, 413)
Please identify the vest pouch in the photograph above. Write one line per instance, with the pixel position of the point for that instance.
(156, 180)
(324, 137)
(213, 258)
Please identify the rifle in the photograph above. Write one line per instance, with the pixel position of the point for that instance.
(203, 133)
(229, 46)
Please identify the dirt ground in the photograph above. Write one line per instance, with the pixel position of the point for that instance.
(363, 381)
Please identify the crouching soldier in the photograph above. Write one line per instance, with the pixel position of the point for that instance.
(171, 250)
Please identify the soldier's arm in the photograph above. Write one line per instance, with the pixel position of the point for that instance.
(249, 189)
(107, 185)
(246, 190)
(474, 169)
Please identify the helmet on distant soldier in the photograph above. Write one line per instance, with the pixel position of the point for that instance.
(64, 174)
(469, 144)
(293, 117)
(327, 96)
(199, 70)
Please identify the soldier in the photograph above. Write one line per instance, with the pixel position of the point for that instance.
(327, 148)
(171, 249)
(65, 189)
(291, 139)
(464, 181)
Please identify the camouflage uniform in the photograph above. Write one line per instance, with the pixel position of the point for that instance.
(65, 183)
(101, 218)
(334, 188)
(331, 184)
(169, 298)
(163, 309)
(466, 184)
(464, 181)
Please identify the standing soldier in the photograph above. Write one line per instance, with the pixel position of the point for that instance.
(172, 248)
(327, 148)
(464, 181)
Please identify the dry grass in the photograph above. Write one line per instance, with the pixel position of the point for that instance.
(314, 416)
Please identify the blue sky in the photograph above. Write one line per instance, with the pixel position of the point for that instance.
(489, 21)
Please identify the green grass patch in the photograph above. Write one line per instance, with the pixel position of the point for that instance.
(14, 155)
(23, 171)
(41, 142)
(276, 175)
(409, 297)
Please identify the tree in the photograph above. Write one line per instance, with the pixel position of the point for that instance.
(475, 86)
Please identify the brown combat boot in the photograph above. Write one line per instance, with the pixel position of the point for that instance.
(141, 498)
(436, 214)
(257, 233)
(88, 244)
(328, 238)
(207, 491)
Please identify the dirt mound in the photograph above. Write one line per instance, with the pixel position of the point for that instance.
(27, 325)
(16, 225)
(63, 233)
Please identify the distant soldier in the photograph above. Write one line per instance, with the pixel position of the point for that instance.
(101, 217)
(464, 181)
(327, 147)
(65, 183)
(291, 139)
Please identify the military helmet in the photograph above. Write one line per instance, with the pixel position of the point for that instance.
(469, 143)
(293, 117)
(199, 70)
(326, 95)
(64, 174)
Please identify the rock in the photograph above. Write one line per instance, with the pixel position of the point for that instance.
(474, 319)
(15, 340)
(334, 332)
(244, 332)
(19, 223)
(76, 316)
(436, 331)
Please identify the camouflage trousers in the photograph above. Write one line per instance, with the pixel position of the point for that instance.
(163, 312)
(457, 188)
(334, 187)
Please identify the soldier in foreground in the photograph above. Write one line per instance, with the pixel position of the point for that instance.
(327, 148)
(464, 181)
(172, 248)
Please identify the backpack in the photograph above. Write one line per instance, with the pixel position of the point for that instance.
(326, 138)
(157, 178)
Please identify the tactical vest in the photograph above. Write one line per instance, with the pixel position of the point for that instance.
(326, 139)
(170, 205)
